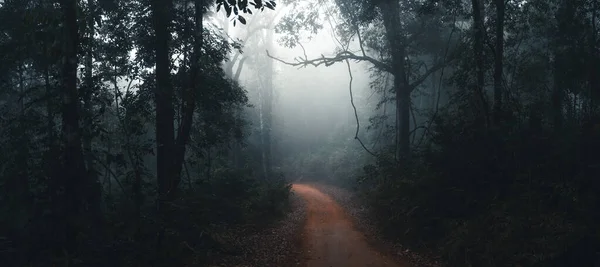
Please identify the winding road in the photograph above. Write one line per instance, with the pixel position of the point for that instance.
(329, 237)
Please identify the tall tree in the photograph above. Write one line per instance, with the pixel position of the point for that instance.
(478, 41)
(171, 148)
(498, 59)
(163, 98)
(390, 11)
(393, 58)
(74, 166)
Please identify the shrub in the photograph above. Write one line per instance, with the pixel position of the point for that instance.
(495, 197)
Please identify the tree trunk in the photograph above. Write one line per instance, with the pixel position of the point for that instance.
(163, 97)
(93, 186)
(88, 90)
(593, 62)
(267, 108)
(74, 166)
(498, 60)
(479, 29)
(557, 97)
(390, 10)
(189, 97)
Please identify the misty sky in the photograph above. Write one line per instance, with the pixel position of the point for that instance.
(313, 101)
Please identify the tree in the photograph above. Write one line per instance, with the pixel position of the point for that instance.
(94, 165)
(498, 59)
(171, 149)
(357, 15)
(75, 179)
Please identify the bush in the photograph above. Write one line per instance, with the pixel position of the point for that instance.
(495, 197)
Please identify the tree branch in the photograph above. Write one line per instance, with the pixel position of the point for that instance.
(356, 112)
(347, 55)
(425, 75)
(328, 61)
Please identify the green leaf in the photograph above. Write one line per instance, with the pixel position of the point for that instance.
(242, 20)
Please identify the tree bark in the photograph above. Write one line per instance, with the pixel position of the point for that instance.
(189, 97)
(163, 97)
(74, 166)
(592, 61)
(557, 97)
(390, 10)
(479, 29)
(498, 60)
(93, 187)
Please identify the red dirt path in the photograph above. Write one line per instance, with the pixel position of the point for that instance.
(330, 240)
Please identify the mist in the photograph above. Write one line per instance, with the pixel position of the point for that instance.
(315, 133)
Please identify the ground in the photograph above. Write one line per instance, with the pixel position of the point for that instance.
(329, 237)
(325, 228)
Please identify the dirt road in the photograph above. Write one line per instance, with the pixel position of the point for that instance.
(329, 238)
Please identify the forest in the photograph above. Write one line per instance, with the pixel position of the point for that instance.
(209, 132)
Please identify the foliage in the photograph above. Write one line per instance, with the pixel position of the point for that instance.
(478, 190)
(511, 196)
(116, 85)
(519, 192)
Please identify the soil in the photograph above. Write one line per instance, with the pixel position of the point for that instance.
(329, 238)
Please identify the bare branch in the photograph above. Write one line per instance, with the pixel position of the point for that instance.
(420, 127)
(328, 61)
(356, 112)
(347, 55)
(114, 175)
(424, 77)
(303, 49)
(440, 82)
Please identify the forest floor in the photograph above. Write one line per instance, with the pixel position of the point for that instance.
(273, 246)
(326, 227)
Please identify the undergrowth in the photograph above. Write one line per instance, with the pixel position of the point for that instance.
(202, 212)
(521, 194)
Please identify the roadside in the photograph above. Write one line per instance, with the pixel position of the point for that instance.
(273, 246)
(341, 232)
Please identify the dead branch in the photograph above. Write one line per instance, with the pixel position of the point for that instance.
(347, 55)
(441, 80)
(420, 80)
(114, 175)
(356, 112)
(328, 61)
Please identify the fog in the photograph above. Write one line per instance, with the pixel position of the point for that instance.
(311, 106)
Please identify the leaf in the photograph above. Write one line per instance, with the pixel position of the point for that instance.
(234, 23)
(227, 9)
(269, 5)
(242, 20)
(235, 10)
(219, 7)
